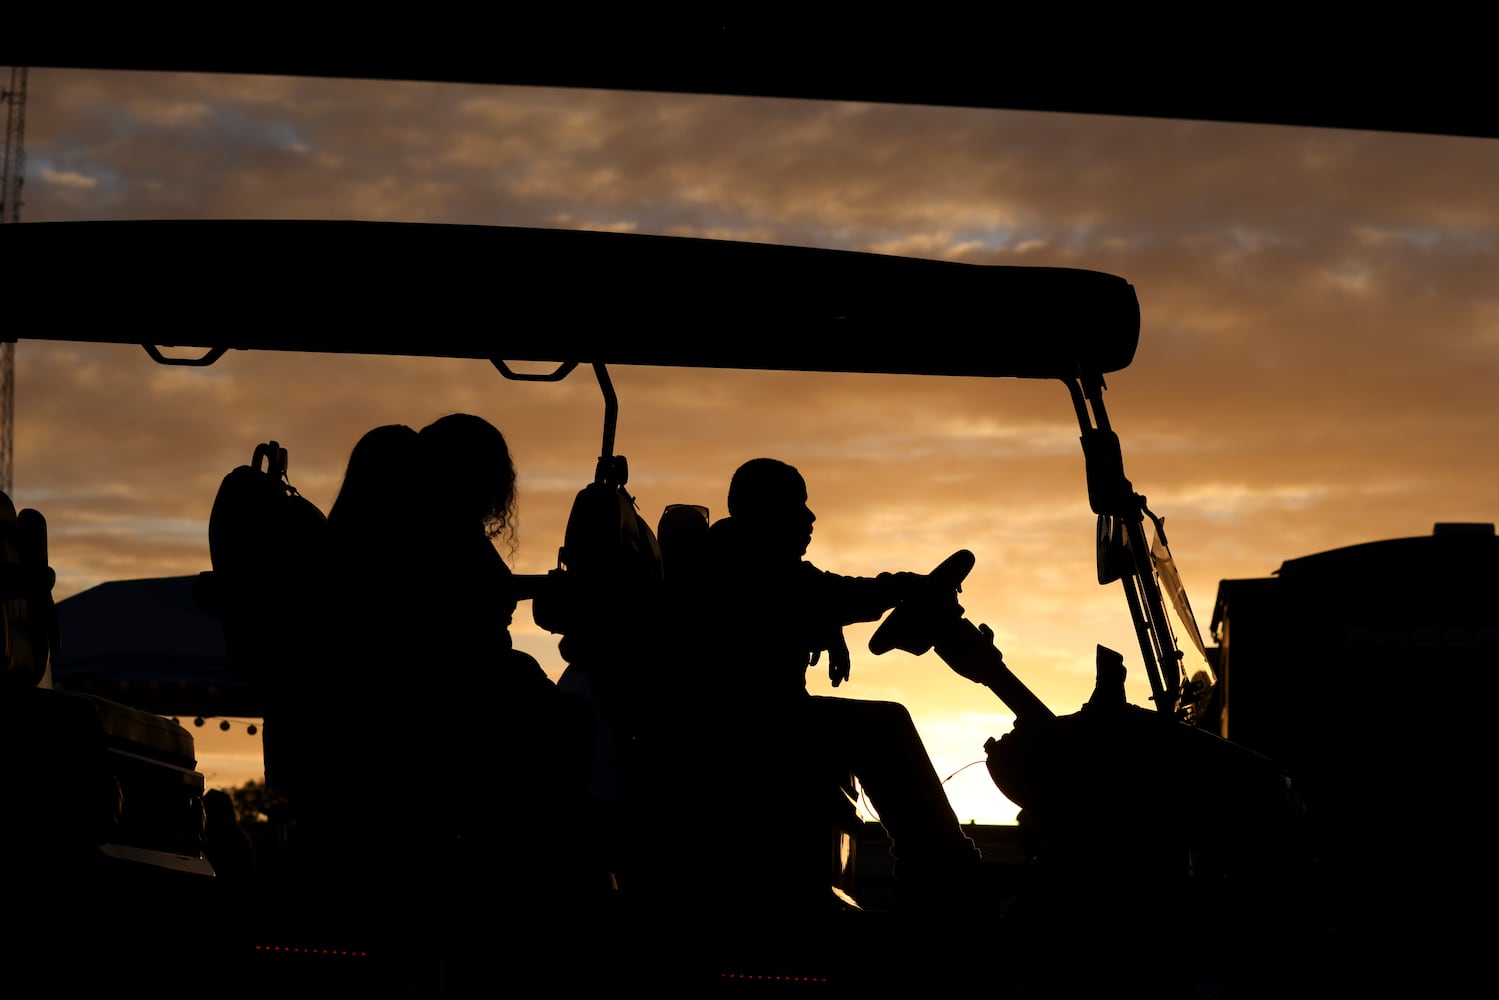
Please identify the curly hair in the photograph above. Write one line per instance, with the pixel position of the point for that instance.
(469, 463)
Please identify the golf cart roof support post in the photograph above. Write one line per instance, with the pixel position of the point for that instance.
(610, 469)
(1143, 637)
(1111, 494)
(1148, 613)
(1087, 393)
(1109, 490)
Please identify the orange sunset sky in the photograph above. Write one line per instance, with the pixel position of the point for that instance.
(1318, 360)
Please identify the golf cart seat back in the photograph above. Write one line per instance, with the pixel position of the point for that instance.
(30, 620)
(680, 531)
(266, 545)
(609, 569)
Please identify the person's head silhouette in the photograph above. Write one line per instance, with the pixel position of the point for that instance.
(768, 499)
(470, 472)
(373, 485)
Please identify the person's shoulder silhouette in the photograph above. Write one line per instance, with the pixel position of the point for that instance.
(226, 843)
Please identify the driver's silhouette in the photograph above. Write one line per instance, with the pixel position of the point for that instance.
(759, 614)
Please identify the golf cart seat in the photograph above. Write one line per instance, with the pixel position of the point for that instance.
(604, 601)
(265, 541)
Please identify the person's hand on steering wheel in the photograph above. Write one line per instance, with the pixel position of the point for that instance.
(932, 600)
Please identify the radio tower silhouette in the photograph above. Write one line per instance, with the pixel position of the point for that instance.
(13, 173)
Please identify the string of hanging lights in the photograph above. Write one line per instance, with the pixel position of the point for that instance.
(251, 726)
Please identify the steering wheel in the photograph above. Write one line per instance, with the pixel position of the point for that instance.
(912, 624)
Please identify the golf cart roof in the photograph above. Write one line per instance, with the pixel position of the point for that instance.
(562, 296)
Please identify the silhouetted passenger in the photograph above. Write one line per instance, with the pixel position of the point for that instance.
(226, 844)
(758, 614)
(467, 762)
(367, 655)
(517, 751)
(372, 549)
